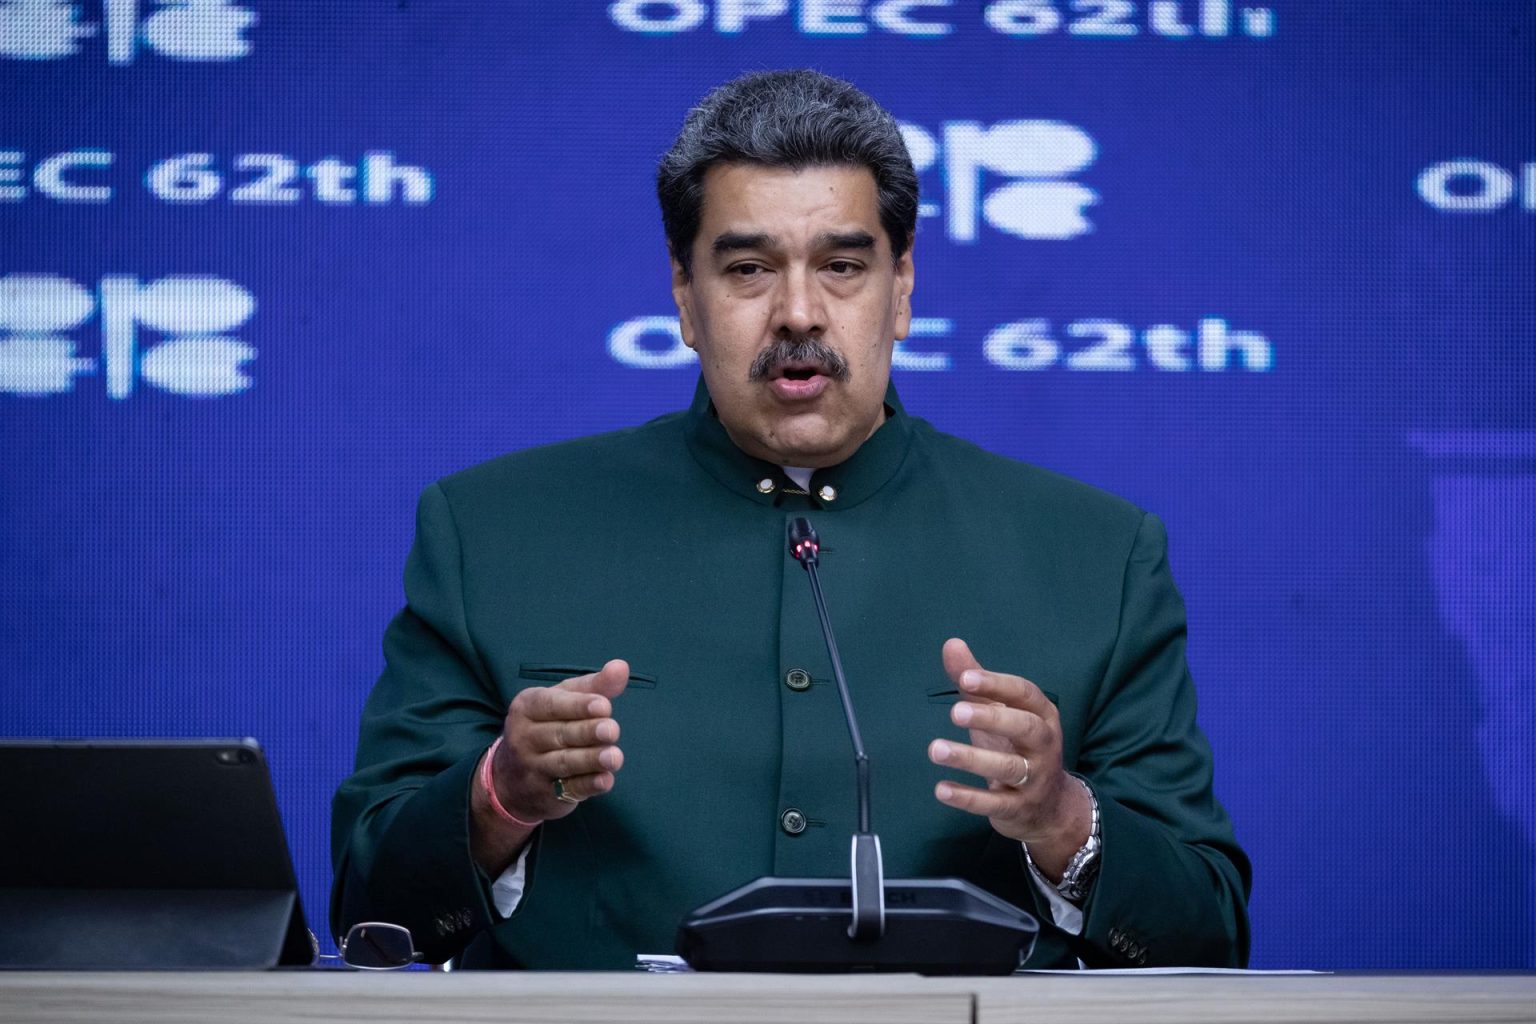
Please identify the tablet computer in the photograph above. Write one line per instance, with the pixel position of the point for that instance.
(150, 854)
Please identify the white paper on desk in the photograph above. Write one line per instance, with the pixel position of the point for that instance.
(1142, 972)
(666, 963)
(661, 963)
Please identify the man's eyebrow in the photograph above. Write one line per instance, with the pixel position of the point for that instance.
(731, 241)
(845, 240)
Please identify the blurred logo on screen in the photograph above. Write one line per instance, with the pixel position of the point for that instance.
(82, 176)
(1013, 175)
(192, 30)
(1478, 186)
(193, 355)
(927, 19)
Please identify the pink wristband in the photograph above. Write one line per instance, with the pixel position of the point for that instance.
(489, 785)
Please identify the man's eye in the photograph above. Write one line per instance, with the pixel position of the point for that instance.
(745, 270)
(843, 267)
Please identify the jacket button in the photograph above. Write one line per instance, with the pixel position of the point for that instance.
(792, 821)
(798, 679)
(765, 485)
(827, 493)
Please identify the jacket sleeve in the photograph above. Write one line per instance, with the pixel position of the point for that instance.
(400, 822)
(1173, 884)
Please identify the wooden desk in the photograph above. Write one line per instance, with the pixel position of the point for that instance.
(512, 998)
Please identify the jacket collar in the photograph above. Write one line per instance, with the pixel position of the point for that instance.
(835, 487)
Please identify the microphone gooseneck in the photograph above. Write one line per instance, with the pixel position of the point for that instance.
(805, 545)
(868, 872)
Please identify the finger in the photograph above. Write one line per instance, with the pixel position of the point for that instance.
(610, 680)
(571, 762)
(586, 732)
(1004, 769)
(1019, 727)
(957, 658)
(967, 673)
(553, 704)
(1014, 691)
(988, 803)
(584, 787)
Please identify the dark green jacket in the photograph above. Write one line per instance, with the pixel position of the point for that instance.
(658, 545)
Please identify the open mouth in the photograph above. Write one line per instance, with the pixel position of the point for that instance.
(797, 382)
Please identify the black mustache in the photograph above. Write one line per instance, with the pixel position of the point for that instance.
(799, 350)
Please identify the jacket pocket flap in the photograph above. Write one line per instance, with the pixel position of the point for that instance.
(949, 695)
(558, 672)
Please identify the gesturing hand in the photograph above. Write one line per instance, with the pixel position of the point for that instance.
(563, 732)
(1015, 746)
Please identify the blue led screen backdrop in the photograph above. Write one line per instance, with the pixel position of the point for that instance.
(267, 269)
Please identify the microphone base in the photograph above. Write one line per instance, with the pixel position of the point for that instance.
(800, 925)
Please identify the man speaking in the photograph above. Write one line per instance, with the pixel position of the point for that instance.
(607, 700)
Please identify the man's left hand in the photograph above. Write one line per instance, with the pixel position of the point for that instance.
(1015, 746)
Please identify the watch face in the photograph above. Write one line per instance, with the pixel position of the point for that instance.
(1078, 877)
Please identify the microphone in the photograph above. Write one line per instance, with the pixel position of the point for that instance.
(922, 925)
(867, 869)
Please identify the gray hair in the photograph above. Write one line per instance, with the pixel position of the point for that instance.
(790, 119)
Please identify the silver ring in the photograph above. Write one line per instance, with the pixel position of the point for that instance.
(562, 795)
(1022, 778)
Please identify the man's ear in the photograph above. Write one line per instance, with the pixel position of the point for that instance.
(682, 294)
(904, 282)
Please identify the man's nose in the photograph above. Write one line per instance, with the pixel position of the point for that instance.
(801, 309)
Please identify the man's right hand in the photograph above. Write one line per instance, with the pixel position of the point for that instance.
(564, 732)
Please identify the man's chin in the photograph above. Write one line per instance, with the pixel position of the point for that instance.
(812, 445)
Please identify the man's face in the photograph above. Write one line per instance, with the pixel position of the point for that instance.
(793, 307)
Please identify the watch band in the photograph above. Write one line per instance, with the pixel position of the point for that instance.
(1084, 865)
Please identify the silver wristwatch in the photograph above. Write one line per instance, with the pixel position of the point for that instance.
(1084, 865)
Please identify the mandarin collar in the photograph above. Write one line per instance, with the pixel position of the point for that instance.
(835, 487)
